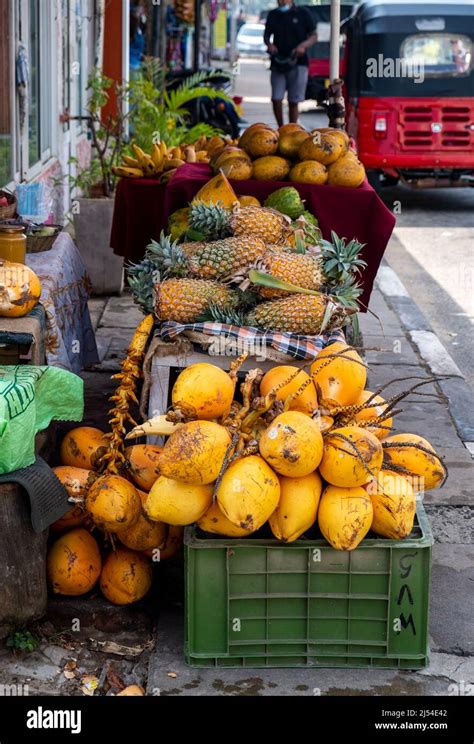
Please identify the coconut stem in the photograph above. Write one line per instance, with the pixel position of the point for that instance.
(113, 460)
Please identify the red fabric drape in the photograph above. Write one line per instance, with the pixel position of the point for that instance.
(142, 208)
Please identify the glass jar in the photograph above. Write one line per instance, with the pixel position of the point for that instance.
(12, 243)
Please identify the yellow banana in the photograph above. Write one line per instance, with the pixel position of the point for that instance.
(127, 172)
(157, 426)
(163, 149)
(144, 159)
(200, 143)
(190, 154)
(133, 162)
(202, 156)
(157, 158)
(172, 163)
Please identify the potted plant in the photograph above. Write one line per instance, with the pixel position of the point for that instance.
(92, 210)
(151, 114)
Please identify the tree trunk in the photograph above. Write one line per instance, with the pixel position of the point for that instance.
(23, 591)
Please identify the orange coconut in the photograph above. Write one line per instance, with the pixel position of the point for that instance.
(76, 481)
(126, 576)
(173, 544)
(143, 460)
(73, 563)
(144, 534)
(113, 503)
(83, 446)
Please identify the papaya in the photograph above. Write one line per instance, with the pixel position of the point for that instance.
(218, 189)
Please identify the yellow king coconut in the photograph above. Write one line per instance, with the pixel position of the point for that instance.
(374, 411)
(352, 457)
(345, 516)
(216, 522)
(394, 505)
(113, 503)
(177, 503)
(194, 453)
(306, 401)
(339, 373)
(298, 506)
(249, 492)
(292, 444)
(416, 458)
(205, 390)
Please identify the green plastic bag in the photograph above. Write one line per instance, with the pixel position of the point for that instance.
(30, 398)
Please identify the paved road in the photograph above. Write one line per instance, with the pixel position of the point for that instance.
(434, 258)
(434, 253)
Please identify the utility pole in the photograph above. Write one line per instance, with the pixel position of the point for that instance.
(233, 34)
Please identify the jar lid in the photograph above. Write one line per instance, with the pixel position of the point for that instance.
(11, 228)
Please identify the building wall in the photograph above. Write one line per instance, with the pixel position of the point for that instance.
(59, 39)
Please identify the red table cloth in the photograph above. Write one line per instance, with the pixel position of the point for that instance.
(142, 208)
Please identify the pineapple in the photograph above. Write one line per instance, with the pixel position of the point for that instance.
(186, 300)
(218, 259)
(301, 269)
(221, 259)
(300, 314)
(264, 223)
(212, 221)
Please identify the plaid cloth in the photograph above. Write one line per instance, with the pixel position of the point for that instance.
(253, 340)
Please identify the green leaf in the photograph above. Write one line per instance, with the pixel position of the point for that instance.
(266, 280)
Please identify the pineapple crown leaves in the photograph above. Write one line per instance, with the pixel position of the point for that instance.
(341, 259)
(210, 220)
(346, 293)
(166, 256)
(218, 314)
(142, 278)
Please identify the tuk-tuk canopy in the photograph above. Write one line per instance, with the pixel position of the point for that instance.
(406, 16)
(412, 49)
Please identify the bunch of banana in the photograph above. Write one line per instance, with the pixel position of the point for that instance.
(161, 161)
(184, 10)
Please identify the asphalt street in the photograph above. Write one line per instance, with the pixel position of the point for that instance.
(434, 251)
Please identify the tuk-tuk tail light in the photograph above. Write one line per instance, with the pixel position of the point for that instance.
(380, 126)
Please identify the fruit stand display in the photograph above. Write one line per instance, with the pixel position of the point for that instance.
(344, 203)
(263, 468)
(297, 456)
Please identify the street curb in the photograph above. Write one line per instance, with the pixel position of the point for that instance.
(458, 393)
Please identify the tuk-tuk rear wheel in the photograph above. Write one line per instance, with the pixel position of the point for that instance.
(378, 179)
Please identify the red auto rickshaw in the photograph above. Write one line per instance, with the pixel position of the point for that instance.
(409, 88)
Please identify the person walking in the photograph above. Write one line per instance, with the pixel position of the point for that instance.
(289, 32)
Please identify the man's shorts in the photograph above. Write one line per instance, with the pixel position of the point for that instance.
(293, 81)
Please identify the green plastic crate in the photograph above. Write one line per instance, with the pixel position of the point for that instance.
(254, 602)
